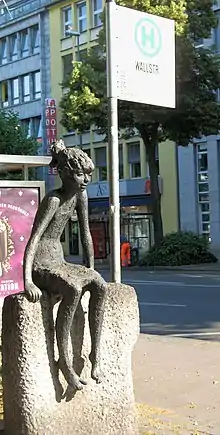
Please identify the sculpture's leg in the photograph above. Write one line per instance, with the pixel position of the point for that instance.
(65, 315)
(96, 313)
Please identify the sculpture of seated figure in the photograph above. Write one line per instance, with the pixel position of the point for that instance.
(45, 268)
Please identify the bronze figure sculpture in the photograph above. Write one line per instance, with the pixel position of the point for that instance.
(45, 268)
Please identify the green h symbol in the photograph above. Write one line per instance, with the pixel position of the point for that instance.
(148, 37)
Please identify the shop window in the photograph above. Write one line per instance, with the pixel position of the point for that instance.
(3, 51)
(4, 94)
(37, 85)
(13, 47)
(26, 88)
(67, 65)
(35, 39)
(101, 164)
(96, 11)
(134, 159)
(15, 91)
(24, 43)
(67, 20)
(82, 17)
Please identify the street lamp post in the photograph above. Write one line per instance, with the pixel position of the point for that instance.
(72, 32)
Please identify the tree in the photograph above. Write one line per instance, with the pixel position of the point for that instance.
(13, 138)
(197, 79)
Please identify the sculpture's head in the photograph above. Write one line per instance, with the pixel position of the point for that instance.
(74, 166)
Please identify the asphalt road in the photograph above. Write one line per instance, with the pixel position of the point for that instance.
(177, 304)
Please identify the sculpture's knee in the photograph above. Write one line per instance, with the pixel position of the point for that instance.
(75, 291)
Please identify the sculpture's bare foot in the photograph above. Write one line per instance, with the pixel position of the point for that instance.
(73, 380)
(96, 372)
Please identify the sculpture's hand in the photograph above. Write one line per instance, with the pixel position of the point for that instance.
(32, 292)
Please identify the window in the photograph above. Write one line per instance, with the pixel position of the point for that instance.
(67, 65)
(37, 85)
(26, 124)
(199, 42)
(67, 20)
(24, 43)
(3, 51)
(26, 88)
(97, 10)
(101, 165)
(35, 39)
(121, 166)
(82, 18)
(134, 159)
(13, 47)
(15, 91)
(88, 152)
(37, 127)
(4, 93)
(203, 189)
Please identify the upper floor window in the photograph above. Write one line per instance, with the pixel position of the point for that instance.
(96, 10)
(67, 65)
(35, 39)
(37, 85)
(134, 159)
(13, 47)
(4, 93)
(24, 43)
(82, 17)
(37, 127)
(101, 163)
(121, 166)
(26, 88)
(15, 91)
(67, 19)
(3, 51)
(26, 124)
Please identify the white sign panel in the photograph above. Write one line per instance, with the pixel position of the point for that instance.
(144, 50)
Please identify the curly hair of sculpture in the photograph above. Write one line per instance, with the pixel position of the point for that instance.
(45, 268)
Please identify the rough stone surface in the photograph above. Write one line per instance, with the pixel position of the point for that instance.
(33, 403)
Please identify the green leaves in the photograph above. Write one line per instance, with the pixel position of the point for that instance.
(13, 136)
(197, 80)
(178, 249)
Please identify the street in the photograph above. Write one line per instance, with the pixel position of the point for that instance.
(179, 304)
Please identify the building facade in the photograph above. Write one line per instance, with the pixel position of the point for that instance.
(135, 195)
(199, 172)
(25, 64)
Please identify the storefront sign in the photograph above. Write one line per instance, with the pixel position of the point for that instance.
(51, 127)
(18, 207)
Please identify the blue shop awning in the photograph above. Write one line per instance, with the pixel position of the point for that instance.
(125, 201)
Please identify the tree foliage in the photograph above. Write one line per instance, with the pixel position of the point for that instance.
(197, 112)
(14, 140)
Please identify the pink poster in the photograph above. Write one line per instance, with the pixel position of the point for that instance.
(18, 207)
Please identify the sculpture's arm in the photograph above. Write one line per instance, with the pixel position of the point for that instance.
(44, 215)
(85, 235)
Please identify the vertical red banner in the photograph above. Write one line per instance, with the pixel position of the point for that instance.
(51, 126)
(18, 206)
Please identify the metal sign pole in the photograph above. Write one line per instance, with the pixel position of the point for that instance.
(113, 164)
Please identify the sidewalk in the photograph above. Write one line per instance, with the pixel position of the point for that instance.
(177, 386)
(105, 265)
